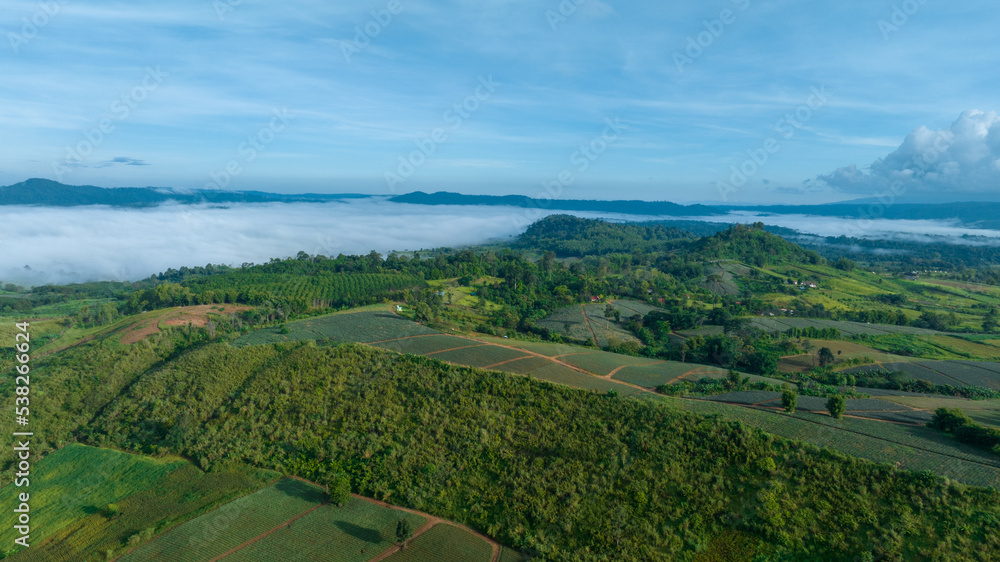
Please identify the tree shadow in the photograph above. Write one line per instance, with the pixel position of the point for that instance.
(368, 535)
(300, 490)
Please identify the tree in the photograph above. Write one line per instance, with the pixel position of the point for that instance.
(338, 486)
(789, 400)
(836, 406)
(826, 357)
(112, 510)
(423, 312)
(733, 379)
(403, 532)
(991, 321)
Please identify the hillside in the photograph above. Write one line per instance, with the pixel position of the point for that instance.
(510, 455)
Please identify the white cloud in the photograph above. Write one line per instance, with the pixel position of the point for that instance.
(964, 158)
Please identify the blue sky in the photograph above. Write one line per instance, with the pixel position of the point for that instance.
(600, 100)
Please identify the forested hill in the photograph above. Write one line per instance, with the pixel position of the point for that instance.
(753, 245)
(51, 193)
(624, 207)
(571, 236)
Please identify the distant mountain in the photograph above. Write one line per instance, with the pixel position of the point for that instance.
(54, 194)
(974, 214)
(632, 207)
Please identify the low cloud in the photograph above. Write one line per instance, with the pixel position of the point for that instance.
(69, 245)
(964, 158)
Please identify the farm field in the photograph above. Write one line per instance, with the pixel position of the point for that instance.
(71, 488)
(545, 370)
(445, 543)
(231, 525)
(422, 345)
(863, 408)
(478, 354)
(983, 411)
(955, 373)
(585, 322)
(915, 448)
(782, 324)
(356, 532)
(602, 362)
(842, 350)
(362, 326)
(667, 372)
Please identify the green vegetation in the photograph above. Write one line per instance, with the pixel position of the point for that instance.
(356, 532)
(966, 430)
(232, 524)
(87, 501)
(438, 441)
(445, 543)
(561, 448)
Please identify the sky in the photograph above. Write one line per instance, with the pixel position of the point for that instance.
(725, 101)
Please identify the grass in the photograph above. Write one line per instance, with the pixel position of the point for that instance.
(232, 524)
(71, 487)
(356, 532)
(445, 543)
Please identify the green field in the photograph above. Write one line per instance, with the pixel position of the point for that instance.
(955, 373)
(602, 362)
(365, 326)
(585, 322)
(71, 488)
(356, 532)
(445, 543)
(233, 524)
(423, 345)
(783, 324)
(915, 448)
(481, 355)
